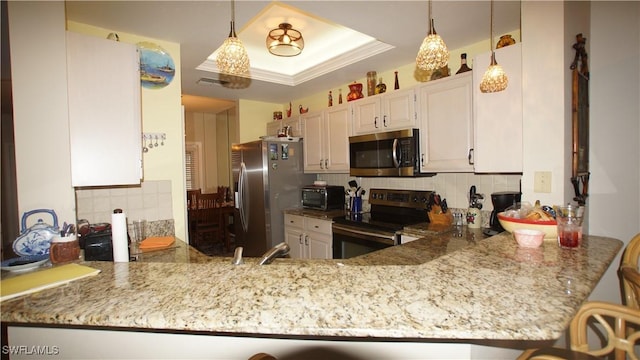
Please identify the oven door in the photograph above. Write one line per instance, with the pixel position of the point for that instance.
(350, 241)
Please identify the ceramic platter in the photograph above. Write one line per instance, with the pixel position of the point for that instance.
(157, 68)
(24, 263)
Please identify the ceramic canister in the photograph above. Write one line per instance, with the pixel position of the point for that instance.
(474, 218)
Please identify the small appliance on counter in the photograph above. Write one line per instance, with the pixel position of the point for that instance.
(323, 197)
(96, 240)
(501, 201)
(97, 243)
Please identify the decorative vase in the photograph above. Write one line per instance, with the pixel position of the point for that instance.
(371, 83)
(505, 40)
(381, 87)
(355, 92)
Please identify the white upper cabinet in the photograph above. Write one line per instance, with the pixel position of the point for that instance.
(326, 140)
(104, 111)
(498, 116)
(389, 111)
(446, 124)
(273, 127)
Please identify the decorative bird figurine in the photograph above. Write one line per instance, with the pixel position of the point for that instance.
(302, 110)
(289, 111)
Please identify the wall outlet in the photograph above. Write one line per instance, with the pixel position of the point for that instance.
(542, 182)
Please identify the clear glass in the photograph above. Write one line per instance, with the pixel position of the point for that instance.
(569, 220)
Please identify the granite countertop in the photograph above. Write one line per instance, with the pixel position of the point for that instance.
(318, 214)
(456, 285)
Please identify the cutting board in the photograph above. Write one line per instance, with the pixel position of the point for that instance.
(44, 279)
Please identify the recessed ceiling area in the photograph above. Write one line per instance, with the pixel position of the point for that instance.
(200, 27)
(328, 46)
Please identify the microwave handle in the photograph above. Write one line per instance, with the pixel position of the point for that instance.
(396, 157)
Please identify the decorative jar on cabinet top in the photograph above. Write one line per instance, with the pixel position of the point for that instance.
(355, 92)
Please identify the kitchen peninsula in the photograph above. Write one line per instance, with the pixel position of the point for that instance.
(454, 288)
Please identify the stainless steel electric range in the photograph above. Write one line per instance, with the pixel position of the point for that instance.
(391, 210)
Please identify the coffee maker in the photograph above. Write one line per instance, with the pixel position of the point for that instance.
(501, 201)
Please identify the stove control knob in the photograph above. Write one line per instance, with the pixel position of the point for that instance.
(415, 199)
(423, 199)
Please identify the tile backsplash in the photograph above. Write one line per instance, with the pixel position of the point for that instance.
(451, 186)
(151, 201)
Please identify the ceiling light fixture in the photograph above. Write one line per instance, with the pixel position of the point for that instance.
(494, 79)
(232, 58)
(285, 41)
(433, 53)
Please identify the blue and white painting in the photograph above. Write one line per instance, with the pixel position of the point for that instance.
(157, 68)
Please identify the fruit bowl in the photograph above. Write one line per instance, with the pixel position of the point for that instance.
(548, 227)
(528, 238)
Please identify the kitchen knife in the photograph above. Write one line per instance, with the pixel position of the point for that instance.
(443, 205)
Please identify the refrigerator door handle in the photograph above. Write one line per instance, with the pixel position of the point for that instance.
(243, 199)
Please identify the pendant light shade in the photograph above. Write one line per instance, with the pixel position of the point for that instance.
(433, 53)
(232, 58)
(494, 79)
(285, 41)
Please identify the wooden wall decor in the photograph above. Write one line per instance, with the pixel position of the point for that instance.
(580, 121)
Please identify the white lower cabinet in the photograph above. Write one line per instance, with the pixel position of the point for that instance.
(446, 124)
(308, 238)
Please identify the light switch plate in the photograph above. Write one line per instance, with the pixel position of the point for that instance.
(542, 182)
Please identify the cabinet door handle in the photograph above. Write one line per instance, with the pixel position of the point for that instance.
(375, 122)
(384, 120)
(321, 164)
(300, 239)
(421, 159)
(471, 156)
(306, 239)
(326, 165)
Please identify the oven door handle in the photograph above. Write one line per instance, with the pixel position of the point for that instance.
(366, 235)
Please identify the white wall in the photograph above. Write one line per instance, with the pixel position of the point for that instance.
(614, 188)
(41, 116)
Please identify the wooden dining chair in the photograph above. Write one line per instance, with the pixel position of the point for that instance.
(192, 198)
(630, 260)
(631, 282)
(618, 329)
(207, 222)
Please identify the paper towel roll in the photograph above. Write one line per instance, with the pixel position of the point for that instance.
(119, 237)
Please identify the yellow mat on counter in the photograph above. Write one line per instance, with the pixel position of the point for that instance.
(44, 279)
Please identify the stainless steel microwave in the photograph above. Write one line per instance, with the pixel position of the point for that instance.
(392, 153)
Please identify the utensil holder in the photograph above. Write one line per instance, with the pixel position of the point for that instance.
(356, 204)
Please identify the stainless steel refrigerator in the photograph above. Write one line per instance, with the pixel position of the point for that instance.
(267, 178)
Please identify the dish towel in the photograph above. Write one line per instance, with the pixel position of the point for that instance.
(157, 242)
(44, 279)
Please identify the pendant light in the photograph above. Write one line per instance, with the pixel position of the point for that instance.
(494, 79)
(433, 53)
(232, 58)
(285, 41)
